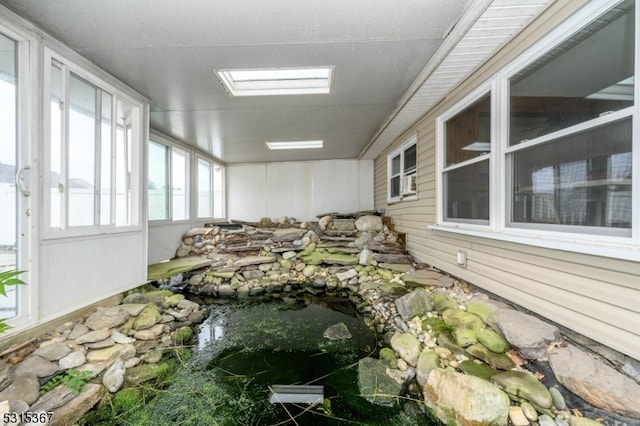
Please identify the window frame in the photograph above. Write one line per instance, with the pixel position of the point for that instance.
(610, 244)
(412, 141)
(213, 208)
(170, 148)
(134, 151)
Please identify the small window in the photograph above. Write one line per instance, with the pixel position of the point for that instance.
(467, 143)
(402, 168)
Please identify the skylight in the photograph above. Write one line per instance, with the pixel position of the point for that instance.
(276, 81)
(295, 145)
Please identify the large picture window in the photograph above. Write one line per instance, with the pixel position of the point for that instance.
(560, 157)
(571, 128)
(93, 138)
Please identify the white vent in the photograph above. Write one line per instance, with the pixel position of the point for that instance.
(408, 185)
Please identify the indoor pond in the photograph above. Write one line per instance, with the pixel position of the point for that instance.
(247, 352)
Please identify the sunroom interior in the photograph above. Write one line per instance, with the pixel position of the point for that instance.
(124, 126)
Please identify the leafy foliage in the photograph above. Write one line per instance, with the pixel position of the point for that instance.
(8, 277)
(73, 379)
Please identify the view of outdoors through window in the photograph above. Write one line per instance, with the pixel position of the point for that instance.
(8, 161)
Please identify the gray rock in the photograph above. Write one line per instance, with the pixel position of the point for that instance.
(422, 277)
(6, 374)
(36, 365)
(93, 336)
(545, 420)
(78, 330)
(375, 384)
(72, 411)
(253, 260)
(413, 304)
(113, 378)
(118, 337)
(347, 275)
(369, 223)
(255, 274)
(465, 400)
(595, 382)
(107, 318)
(226, 291)
(53, 399)
(134, 309)
(101, 344)
(52, 351)
(558, 399)
(73, 360)
(25, 387)
(407, 346)
(338, 331)
(528, 334)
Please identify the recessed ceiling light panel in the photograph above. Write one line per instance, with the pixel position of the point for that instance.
(295, 145)
(276, 81)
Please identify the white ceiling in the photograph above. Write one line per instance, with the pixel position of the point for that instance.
(167, 49)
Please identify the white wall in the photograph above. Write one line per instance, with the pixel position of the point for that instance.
(298, 189)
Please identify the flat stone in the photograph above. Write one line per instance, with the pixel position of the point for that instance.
(73, 360)
(595, 382)
(118, 337)
(77, 331)
(413, 304)
(134, 309)
(145, 372)
(53, 399)
(253, 260)
(407, 346)
(396, 267)
(149, 317)
(135, 298)
(25, 387)
(93, 336)
(150, 333)
(101, 344)
(484, 307)
(525, 385)
(341, 259)
(36, 365)
(462, 319)
(109, 317)
(528, 334)
(338, 331)
(464, 400)
(106, 354)
(77, 407)
(53, 351)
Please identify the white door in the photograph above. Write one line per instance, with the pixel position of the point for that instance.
(14, 177)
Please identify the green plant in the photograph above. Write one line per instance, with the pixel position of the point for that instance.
(8, 277)
(73, 379)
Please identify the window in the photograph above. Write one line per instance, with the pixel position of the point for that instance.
(467, 145)
(558, 146)
(210, 189)
(94, 137)
(402, 172)
(570, 127)
(167, 183)
(276, 81)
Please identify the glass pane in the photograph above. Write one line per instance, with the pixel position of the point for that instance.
(55, 141)
(467, 194)
(588, 75)
(468, 133)
(395, 165)
(105, 159)
(204, 189)
(218, 195)
(8, 169)
(395, 187)
(157, 184)
(179, 184)
(123, 162)
(410, 159)
(82, 154)
(582, 179)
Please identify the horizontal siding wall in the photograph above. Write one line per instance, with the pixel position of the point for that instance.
(595, 296)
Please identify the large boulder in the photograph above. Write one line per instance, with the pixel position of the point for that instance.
(369, 223)
(465, 400)
(595, 382)
(528, 334)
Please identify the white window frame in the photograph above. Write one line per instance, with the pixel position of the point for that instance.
(135, 204)
(212, 185)
(171, 148)
(500, 228)
(413, 140)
